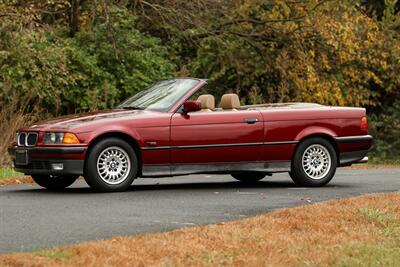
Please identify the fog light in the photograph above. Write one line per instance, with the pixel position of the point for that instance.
(57, 166)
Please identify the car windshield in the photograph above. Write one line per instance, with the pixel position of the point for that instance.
(161, 96)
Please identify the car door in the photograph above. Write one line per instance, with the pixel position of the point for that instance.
(212, 138)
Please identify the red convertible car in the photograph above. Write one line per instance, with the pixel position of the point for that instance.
(174, 128)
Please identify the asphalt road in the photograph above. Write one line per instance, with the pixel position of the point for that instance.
(32, 218)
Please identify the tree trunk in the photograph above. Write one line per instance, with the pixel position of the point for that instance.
(74, 18)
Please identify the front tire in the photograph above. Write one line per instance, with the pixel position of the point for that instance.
(248, 177)
(52, 182)
(111, 165)
(314, 163)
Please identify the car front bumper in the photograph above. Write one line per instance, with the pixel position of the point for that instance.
(49, 160)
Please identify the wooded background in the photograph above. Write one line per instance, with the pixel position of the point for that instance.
(67, 56)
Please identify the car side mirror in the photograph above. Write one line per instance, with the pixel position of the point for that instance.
(191, 106)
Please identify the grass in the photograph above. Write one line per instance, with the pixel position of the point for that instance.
(9, 173)
(53, 254)
(378, 163)
(374, 166)
(363, 231)
(383, 161)
(8, 177)
(383, 253)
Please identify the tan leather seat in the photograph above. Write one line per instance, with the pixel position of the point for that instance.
(207, 103)
(230, 102)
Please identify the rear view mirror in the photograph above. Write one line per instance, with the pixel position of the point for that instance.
(191, 106)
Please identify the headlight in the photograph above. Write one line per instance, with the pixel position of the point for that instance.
(53, 138)
(59, 138)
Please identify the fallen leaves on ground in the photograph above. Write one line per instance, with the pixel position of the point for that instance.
(321, 234)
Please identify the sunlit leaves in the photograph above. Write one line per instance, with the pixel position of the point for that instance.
(317, 51)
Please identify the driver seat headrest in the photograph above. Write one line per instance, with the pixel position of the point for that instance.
(207, 102)
(230, 102)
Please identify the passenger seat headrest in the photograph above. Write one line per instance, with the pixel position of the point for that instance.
(230, 101)
(207, 101)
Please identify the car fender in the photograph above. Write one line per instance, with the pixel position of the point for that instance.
(115, 129)
(315, 130)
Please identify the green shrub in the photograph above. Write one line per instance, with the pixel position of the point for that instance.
(95, 69)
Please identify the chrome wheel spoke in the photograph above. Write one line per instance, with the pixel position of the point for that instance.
(113, 165)
(316, 161)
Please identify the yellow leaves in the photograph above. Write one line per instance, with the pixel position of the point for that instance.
(286, 11)
(325, 62)
(312, 77)
(372, 76)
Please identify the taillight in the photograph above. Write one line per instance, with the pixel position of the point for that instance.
(364, 123)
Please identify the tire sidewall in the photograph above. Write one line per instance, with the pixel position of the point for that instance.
(298, 174)
(54, 183)
(91, 175)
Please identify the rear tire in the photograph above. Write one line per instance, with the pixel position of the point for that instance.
(249, 177)
(314, 163)
(111, 165)
(54, 182)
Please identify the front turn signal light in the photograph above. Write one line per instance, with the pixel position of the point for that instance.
(70, 138)
(364, 123)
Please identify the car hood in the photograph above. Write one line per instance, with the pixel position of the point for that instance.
(77, 121)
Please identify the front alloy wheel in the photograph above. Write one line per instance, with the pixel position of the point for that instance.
(314, 162)
(111, 165)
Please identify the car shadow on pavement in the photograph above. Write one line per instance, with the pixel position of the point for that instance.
(211, 185)
(268, 185)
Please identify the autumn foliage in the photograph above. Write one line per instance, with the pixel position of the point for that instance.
(78, 55)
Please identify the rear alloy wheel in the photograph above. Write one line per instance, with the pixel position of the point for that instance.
(248, 177)
(314, 163)
(53, 182)
(111, 165)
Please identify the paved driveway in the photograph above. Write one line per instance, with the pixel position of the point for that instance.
(32, 218)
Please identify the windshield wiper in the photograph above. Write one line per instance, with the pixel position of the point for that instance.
(133, 107)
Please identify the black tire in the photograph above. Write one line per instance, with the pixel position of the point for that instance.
(299, 174)
(54, 182)
(92, 175)
(248, 177)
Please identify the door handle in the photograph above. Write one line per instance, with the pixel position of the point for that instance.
(250, 120)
